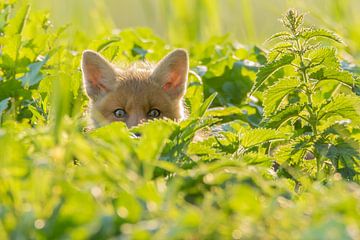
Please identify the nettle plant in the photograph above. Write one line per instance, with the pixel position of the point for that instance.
(311, 102)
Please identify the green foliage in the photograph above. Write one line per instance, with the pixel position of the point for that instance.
(310, 33)
(303, 106)
(276, 93)
(255, 164)
(257, 136)
(266, 71)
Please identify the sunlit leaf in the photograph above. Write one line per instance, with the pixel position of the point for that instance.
(258, 136)
(279, 35)
(324, 56)
(310, 33)
(266, 71)
(324, 74)
(282, 116)
(204, 107)
(346, 106)
(275, 94)
(154, 135)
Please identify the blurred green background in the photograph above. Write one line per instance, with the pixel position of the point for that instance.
(57, 182)
(182, 22)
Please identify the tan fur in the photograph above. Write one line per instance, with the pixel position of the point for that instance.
(136, 89)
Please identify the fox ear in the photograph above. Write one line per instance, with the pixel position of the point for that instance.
(171, 73)
(99, 76)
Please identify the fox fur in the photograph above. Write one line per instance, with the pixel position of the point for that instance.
(135, 94)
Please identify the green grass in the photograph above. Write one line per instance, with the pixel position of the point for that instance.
(281, 164)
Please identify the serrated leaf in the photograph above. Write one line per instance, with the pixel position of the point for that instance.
(279, 35)
(181, 138)
(154, 135)
(324, 56)
(324, 74)
(299, 21)
(266, 71)
(258, 136)
(204, 147)
(278, 50)
(293, 20)
(273, 55)
(293, 152)
(346, 106)
(344, 156)
(284, 115)
(310, 33)
(338, 128)
(190, 126)
(275, 94)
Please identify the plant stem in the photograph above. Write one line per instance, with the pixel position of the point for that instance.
(313, 117)
(313, 120)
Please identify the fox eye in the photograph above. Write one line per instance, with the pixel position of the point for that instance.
(119, 113)
(153, 113)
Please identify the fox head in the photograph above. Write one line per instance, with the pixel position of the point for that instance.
(136, 94)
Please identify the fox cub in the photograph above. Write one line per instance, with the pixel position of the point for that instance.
(135, 94)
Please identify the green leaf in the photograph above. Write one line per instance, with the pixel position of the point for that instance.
(194, 96)
(275, 94)
(34, 75)
(266, 71)
(256, 158)
(280, 35)
(16, 24)
(206, 150)
(204, 107)
(258, 136)
(293, 20)
(231, 79)
(175, 150)
(346, 106)
(190, 126)
(345, 156)
(278, 50)
(310, 33)
(107, 43)
(116, 131)
(324, 56)
(337, 129)
(293, 152)
(223, 111)
(284, 115)
(154, 135)
(324, 74)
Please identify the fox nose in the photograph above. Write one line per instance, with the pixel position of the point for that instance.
(134, 122)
